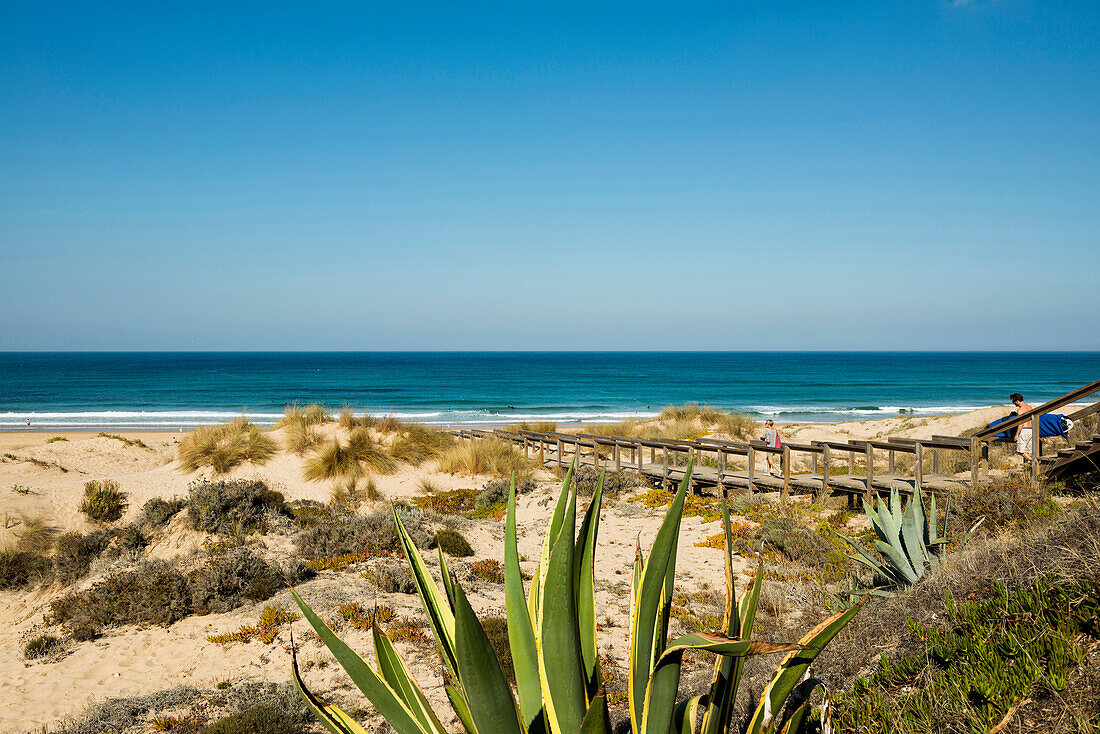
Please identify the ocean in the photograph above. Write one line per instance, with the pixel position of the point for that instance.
(173, 390)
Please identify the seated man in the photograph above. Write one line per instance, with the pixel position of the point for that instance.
(1025, 441)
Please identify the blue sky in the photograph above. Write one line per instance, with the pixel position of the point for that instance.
(862, 175)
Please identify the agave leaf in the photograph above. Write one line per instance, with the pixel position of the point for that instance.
(521, 635)
(458, 702)
(492, 707)
(933, 521)
(868, 560)
(448, 582)
(800, 701)
(552, 532)
(660, 697)
(377, 690)
(898, 560)
(685, 715)
(584, 583)
(596, 719)
(436, 607)
(870, 509)
(794, 665)
(400, 679)
(645, 611)
(558, 639)
(334, 719)
(727, 669)
(914, 535)
(895, 506)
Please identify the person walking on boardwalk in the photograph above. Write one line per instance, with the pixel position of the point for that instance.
(1025, 441)
(772, 438)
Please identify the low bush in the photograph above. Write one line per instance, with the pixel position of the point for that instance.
(490, 456)
(232, 507)
(260, 719)
(74, 553)
(131, 538)
(103, 501)
(158, 592)
(496, 629)
(41, 646)
(223, 447)
(157, 512)
(1025, 644)
(391, 579)
(371, 535)
(453, 544)
(490, 570)
(586, 478)
(1004, 502)
(229, 579)
(19, 568)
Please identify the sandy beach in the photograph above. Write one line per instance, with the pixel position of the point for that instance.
(132, 660)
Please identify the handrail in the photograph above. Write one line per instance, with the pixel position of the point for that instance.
(1066, 399)
(1094, 408)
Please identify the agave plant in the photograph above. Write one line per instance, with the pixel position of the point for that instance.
(552, 635)
(908, 539)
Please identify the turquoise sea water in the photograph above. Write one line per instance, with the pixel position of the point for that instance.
(177, 390)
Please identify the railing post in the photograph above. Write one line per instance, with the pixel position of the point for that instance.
(752, 467)
(870, 470)
(618, 463)
(825, 458)
(975, 460)
(561, 450)
(891, 460)
(935, 461)
(918, 465)
(785, 457)
(664, 473)
(1036, 447)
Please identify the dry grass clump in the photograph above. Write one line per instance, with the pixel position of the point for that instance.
(737, 425)
(488, 456)
(103, 501)
(225, 446)
(335, 460)
(535, 426)
(349, 420)
(301, 438)
(417, 443)
(346, 493)
(313, 414)
(1004, 502)
(19, 568)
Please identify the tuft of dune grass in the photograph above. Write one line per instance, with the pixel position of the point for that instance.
(349, 420)
(304, 415)
(536, 426)
(302, 438)
(489, 456)
(335, 460)
(418, 443)
(225, 446)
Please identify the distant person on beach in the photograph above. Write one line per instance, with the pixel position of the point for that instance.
(1025, 441)
(771, 438)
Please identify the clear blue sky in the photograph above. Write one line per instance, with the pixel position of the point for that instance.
(884, 175)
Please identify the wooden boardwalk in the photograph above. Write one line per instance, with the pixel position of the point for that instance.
(722, 465)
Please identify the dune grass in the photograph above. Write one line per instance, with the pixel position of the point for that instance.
(336, 460)
(490, 456)
(225, 446)
(417, 443)
(313, 414)
(103, 501)
(349, 420)
(536, 426)
(302, 438)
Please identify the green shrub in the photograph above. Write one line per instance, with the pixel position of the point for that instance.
(41, 646)
(157, 512)
(453, 544)
(157, 592)
(585, 479)
(373, 534)
(261, 719)
(103, 501)
(490, 570)
(992, 655)
(131, 538)
(231, 507)
(74, 553)
(55, 439)
(229, 579)
(19, 568)
(1004, 502)
(391, 579)
(223, 447)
